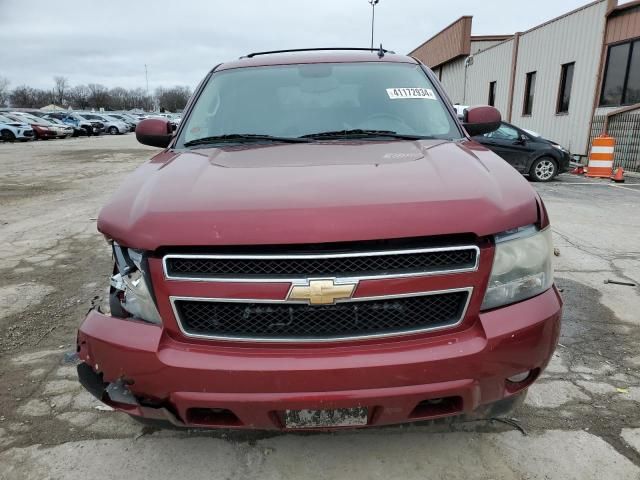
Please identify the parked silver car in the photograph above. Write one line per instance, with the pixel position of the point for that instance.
(112, 126)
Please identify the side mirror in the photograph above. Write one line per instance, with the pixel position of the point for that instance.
(481, 120)
(155, 132)
(522, 140)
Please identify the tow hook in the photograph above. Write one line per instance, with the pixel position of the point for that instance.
(118, 392)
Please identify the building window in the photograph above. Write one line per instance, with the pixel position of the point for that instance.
(566, 81)
(529, 91)
(492, 94)
(621, 84)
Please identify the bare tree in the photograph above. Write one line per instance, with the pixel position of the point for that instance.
(4, 91)
(98, 95)
(95, 95)
(21, 96)
(118, 99)
(59, 90)
(173, 99)
(79, 97)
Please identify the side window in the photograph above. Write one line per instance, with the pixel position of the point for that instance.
(492, 93)
(504, 133)
(529, 93)
(615, 78)
(566, 83)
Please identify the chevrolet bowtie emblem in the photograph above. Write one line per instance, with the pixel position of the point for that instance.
(321, 292)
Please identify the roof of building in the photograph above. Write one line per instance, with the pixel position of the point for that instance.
(625, 6)
(440, 48)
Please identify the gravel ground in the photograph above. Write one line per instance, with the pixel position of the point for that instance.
(582, 418)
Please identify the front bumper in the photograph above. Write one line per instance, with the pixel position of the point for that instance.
(565, 163)
(250, 386)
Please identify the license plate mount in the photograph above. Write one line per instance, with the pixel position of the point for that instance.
(338, 417)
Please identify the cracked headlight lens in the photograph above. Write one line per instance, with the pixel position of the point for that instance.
(522, 267)
(130, 282)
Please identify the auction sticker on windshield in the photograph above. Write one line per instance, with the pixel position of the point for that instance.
(397, 93)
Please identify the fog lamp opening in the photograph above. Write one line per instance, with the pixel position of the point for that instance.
(519, 377)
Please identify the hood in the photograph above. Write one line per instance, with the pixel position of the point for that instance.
(317, 193)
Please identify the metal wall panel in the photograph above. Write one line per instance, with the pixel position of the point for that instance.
(453, 80)
(492, 65)
(573, 38)
(623, 25)
(480, 45)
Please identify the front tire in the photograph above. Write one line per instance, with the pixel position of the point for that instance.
(543, 169)
(7, 136)
(113, 131)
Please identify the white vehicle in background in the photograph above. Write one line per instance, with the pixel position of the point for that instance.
(11, 130)
(112, 125)
(460, 110)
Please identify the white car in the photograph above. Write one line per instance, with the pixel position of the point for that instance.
(11, 130)
(112, 125)
(460, 110)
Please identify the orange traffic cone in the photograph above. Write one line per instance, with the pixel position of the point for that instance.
(619, 175)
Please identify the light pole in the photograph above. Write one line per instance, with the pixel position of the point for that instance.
(373, 17)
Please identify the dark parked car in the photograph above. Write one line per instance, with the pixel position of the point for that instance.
(527, 152)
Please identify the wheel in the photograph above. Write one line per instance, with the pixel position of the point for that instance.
(543, 169)
(113, 131)
(7, 136)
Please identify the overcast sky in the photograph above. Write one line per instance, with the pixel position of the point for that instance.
(110, 41)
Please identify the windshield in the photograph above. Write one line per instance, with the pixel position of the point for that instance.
(303, 100)
(4, 119)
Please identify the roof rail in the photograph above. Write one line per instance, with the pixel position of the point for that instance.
(348, 49)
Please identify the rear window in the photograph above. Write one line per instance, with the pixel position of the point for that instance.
(297, 100)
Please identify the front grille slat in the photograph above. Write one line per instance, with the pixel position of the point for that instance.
(374, 264)
(276, 321)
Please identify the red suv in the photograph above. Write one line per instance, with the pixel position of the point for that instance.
(321, 245)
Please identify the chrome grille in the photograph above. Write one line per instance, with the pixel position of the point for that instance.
(353, 264)
(358, 318)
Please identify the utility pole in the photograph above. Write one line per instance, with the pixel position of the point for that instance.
(146, 76)
(373, 17)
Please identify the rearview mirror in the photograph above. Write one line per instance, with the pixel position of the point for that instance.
(481, 120)
(155, 132)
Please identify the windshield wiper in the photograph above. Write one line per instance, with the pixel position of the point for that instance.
(360, 133)
(242, 138)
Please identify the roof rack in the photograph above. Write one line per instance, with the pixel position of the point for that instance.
(381, 51)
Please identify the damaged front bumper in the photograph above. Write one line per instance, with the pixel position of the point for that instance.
(141, 369)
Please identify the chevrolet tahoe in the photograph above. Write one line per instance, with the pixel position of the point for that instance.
(320, 244)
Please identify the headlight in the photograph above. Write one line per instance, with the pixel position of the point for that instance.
(559, 147)
(130, 283)
(521, 267)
